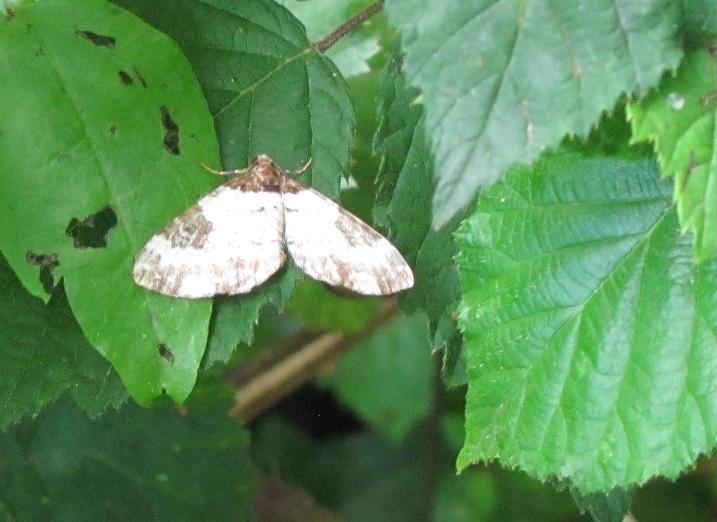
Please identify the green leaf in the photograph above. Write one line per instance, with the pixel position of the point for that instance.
(700, 21)
(316, 307)
(503, 80)
(270, 92)
(680, 118)
(590, 335)
(612, 506)
(234, 317)
(387, 379)
(133, 465)
(45, 355)
(321, 17)
(103, 176)
(404, 207)
(492, 494)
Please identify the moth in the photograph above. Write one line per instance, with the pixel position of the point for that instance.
(239, 234)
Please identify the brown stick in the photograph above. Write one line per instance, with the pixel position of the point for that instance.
(266, 388)
(325, 43)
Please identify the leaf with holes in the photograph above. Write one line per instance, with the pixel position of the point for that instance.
(95, 159)
(404, 207)
(590, 334)
(680, 118)
(270, 92)
(502, 80)
(45, 355)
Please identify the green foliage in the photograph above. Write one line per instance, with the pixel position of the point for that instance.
(386, 379)
(37, 369)
(317, 307)
(503, 80)
(680, 118)
(320, 17)
(584, 286)
(70, 147)
(266, 84)
(130, 465)
(590, 334)
(403, 206)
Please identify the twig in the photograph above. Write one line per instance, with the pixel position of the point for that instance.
(325, 43)
(265, 388)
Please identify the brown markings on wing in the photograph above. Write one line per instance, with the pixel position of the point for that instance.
(190, 229)
(354, 230)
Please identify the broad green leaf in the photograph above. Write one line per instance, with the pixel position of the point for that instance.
(133, 465)
(680, 118)
(45, 355)
(316, 307)
(404, 207)
(94, 159)
(321, 17)
(590, 334)
(503, 80)
(270, 92)
(387, 379)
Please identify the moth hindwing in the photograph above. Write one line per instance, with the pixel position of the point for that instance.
(236, 237)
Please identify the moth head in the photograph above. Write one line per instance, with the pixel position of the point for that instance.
(263, 159)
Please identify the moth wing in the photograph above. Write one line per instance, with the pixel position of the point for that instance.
(332, 245)
(228, 243)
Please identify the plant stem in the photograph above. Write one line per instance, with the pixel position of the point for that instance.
(278, 373)
(349, 25)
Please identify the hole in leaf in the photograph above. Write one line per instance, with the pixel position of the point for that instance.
(126, 78)
(166, 353)
(140, 77)
(92, 231)
(171, 136)
(47, 263)
(97, 39)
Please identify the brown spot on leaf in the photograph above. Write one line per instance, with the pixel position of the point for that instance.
(171, 135)
(166, 353)
(126, 78)
(91, 232)
(140, 77)
(47, 263)
(97, 39)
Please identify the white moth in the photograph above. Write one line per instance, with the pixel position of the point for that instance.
(237, 236)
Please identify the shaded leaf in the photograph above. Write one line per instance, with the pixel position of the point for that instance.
(387, 379)
(503, 80)
(404, 207)
(270, 93)
(316, 307)
(321, 17)
(132, 465)
(96, 132)
(590, 334)
(45, 355)
(612, 506)
(680, 118)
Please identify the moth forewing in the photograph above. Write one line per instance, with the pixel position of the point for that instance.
(332, 245)
(228, 243)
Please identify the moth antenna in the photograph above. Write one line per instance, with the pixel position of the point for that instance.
(300, 171)
(224, 172)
